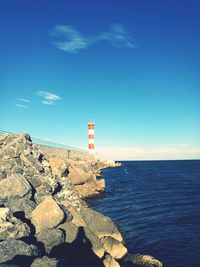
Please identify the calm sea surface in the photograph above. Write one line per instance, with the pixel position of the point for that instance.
(157, 207)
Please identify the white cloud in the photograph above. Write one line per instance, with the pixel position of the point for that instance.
(118, 36)
(21, 102)
(150, 153)
(20, 105)
(76, 41)
(48, 98)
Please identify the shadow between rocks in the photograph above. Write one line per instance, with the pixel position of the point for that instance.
(57, 189)
(79, 253)
(31, 239)
(20, 261)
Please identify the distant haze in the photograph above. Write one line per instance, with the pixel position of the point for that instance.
(156, 153)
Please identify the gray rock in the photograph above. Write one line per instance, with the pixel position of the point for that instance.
(35, 180)
(45, 163)
(21, 205)
(19, 156)
(11, 248)
(44, 262)
(27, 137)
(71, 231)
(51, 238)
(18, 161)
(25, 160)
(4, 214)
(8, 164)
(144, 260)
(3, 174)
(17, 170)
(39, 167)
(11, 227)
(41, 194)
(27, 151)
(11, 152)
(14, 186)
(31, 158)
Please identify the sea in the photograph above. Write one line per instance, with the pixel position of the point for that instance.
(156, 205)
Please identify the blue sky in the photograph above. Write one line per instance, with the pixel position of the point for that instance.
(132, 66)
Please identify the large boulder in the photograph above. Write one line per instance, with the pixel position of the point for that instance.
(77, 176)
(50, 238)
(14, 186)
(99, 224)
(11, 248)
(11, 227)
(113, 247)
(47, 214)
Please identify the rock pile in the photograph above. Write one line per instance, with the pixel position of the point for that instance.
(43, 220)
(81, 173)
(24, 170)
(40, 212)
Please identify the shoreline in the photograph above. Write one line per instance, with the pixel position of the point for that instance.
(44, 220)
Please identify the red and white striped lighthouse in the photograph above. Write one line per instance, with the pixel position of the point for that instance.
(91, 137)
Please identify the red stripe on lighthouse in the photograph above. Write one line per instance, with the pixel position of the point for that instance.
(90, 126)
(91, 146)
(91, 136)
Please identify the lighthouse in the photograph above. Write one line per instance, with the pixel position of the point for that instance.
(91, 137)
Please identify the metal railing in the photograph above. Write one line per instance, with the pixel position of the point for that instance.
(43, 142)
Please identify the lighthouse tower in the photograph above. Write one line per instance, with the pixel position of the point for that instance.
(91, 137)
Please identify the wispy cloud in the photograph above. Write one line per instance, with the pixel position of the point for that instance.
(117, 36)
(48, 98)
(20, 105)
(21, 102)
(74, 40)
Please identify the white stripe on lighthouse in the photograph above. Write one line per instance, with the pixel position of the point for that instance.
(90, 131)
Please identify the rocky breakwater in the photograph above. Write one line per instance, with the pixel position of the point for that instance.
(43, 220)
(81, 169)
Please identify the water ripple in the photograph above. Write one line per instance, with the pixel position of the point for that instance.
(156, 205)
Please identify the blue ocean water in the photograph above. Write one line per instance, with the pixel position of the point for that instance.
(157, 207)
